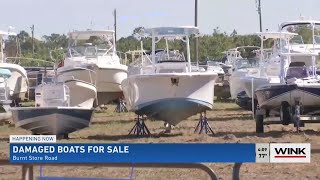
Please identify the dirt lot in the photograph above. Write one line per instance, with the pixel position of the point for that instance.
(230, 123)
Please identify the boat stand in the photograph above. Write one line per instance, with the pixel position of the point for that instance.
(121, 107)
(168, 127)
(203, 124)
(140, 128)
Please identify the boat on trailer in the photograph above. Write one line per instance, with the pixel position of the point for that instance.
(164, 86)
(297, 96)
(52, 114)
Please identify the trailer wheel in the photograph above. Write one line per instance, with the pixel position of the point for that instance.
(255, 101)
(285, 113)
(259, 124)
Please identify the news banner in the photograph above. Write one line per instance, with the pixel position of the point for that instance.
(45, 149)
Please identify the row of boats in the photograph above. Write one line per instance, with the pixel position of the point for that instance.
(163, 84)
(281, 81)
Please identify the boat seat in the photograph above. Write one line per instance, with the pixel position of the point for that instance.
(297, 72)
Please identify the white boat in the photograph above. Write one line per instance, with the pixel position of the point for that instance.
(215, 67)
(269, 66)
(5, 102)
(52, 113)
(299, 85)
(241, 66)
(164, 87)
(95, 51)
(221, 88)
(18, 81)
(37, 76)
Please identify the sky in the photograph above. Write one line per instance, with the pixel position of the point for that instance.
(63, 16)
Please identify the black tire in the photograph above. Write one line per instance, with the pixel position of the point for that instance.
(259, 124)
(255, 106)
(285, 115)
(95, 104)
(267, 112)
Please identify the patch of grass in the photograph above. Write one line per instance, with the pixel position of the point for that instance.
(28, 104)
(225, 106)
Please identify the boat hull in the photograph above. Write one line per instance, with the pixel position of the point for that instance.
(86, 74)
(257, 82)
(109, 83)
(173, 110)
(235, 86)
(51, 120)
(271, 97)
(82, 94)
(18, 82)
(169, 97)
(106, 78)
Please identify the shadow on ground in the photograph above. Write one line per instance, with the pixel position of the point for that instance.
(112, 121)
(123, 137)
(4, 139)
(273, 134)
(246, 117)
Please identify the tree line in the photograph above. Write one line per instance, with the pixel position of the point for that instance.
(211, 46)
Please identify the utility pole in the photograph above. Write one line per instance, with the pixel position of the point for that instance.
(196, 25)
(259, 12)
(32, 33)
(115, 24)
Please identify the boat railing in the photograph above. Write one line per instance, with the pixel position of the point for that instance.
(124, 60)
(92, 76)
(5, 91)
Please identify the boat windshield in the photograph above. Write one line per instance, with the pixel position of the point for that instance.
(317, 39)
(169, 56)
(246, 63)
(297, 72)
(92, 47)
(213, 63)
(296, 40)
(304, 31)
(139, 59)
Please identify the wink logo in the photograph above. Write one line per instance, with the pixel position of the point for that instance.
(290, 152)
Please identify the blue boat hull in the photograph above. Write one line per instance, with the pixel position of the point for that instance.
(51, 120)
(173, 110)
(272, 96)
